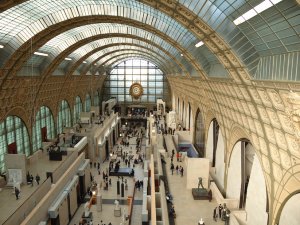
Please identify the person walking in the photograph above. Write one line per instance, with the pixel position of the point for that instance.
(37, 178)
(181, 171)
(172, 168)
(177, 169)
(17, 192)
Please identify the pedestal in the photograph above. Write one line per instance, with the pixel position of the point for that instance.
(200, 194)
(117, 212)
(87, 218)
(99, 202)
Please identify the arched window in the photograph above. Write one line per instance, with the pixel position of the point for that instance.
(77, 109)
(96, 99)
(64, 116)
(13, 138)
(199, 134)
(123, 75)
(87, 103)
(182, 111)
(189, 118)
(43, 129)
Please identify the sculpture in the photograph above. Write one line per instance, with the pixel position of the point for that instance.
(117, 204)
(200, 183)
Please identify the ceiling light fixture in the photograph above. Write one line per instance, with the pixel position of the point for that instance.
(181, 54)
(199, 44)
(84, 62)
(68, 59)
(256, 10)
(40, 53)
(1, 46)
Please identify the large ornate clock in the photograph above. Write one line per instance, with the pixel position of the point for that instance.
(136, 90)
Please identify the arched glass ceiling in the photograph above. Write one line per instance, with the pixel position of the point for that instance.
(269, 38)
(18, 24)
(103, 60)
(84, 50)
(115, 60)
(276, 24)
(95, 57)
(71, 37)
(66, 39)
(122, 57)
(102, 55)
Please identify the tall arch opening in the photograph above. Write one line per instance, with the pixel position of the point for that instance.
(246, 183)
(199, 134)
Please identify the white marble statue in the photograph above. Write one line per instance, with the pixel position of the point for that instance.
(117, 204)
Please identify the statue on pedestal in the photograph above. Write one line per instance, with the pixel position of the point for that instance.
(200, 193)
(117, 206)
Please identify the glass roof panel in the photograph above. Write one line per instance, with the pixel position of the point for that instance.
(114, 61)
(66, 39)
(25, 20)
(125, 51)
(115, 48)
(61, 42)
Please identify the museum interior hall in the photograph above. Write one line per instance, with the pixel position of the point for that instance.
(150, 112)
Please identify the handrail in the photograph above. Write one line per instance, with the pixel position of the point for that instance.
(153, 203)
(25, 208)
(130, 200)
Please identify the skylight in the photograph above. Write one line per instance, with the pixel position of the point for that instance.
(256, 10)
(40, 53)
(199, 44)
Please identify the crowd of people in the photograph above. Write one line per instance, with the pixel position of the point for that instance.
(30, 179)
(221, 212)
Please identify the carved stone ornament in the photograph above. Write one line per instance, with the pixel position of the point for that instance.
(294, 110)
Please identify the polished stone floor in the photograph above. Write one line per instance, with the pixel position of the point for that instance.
(188, 211)
(109, 196)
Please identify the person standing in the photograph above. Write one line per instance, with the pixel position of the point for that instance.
(37, 178)
(177, 169)
(220, 210)
(172, 168)
(181, 171)
(215, 216)
(31, 179)
(17, 192)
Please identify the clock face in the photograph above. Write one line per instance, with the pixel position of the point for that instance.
(136, 90)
